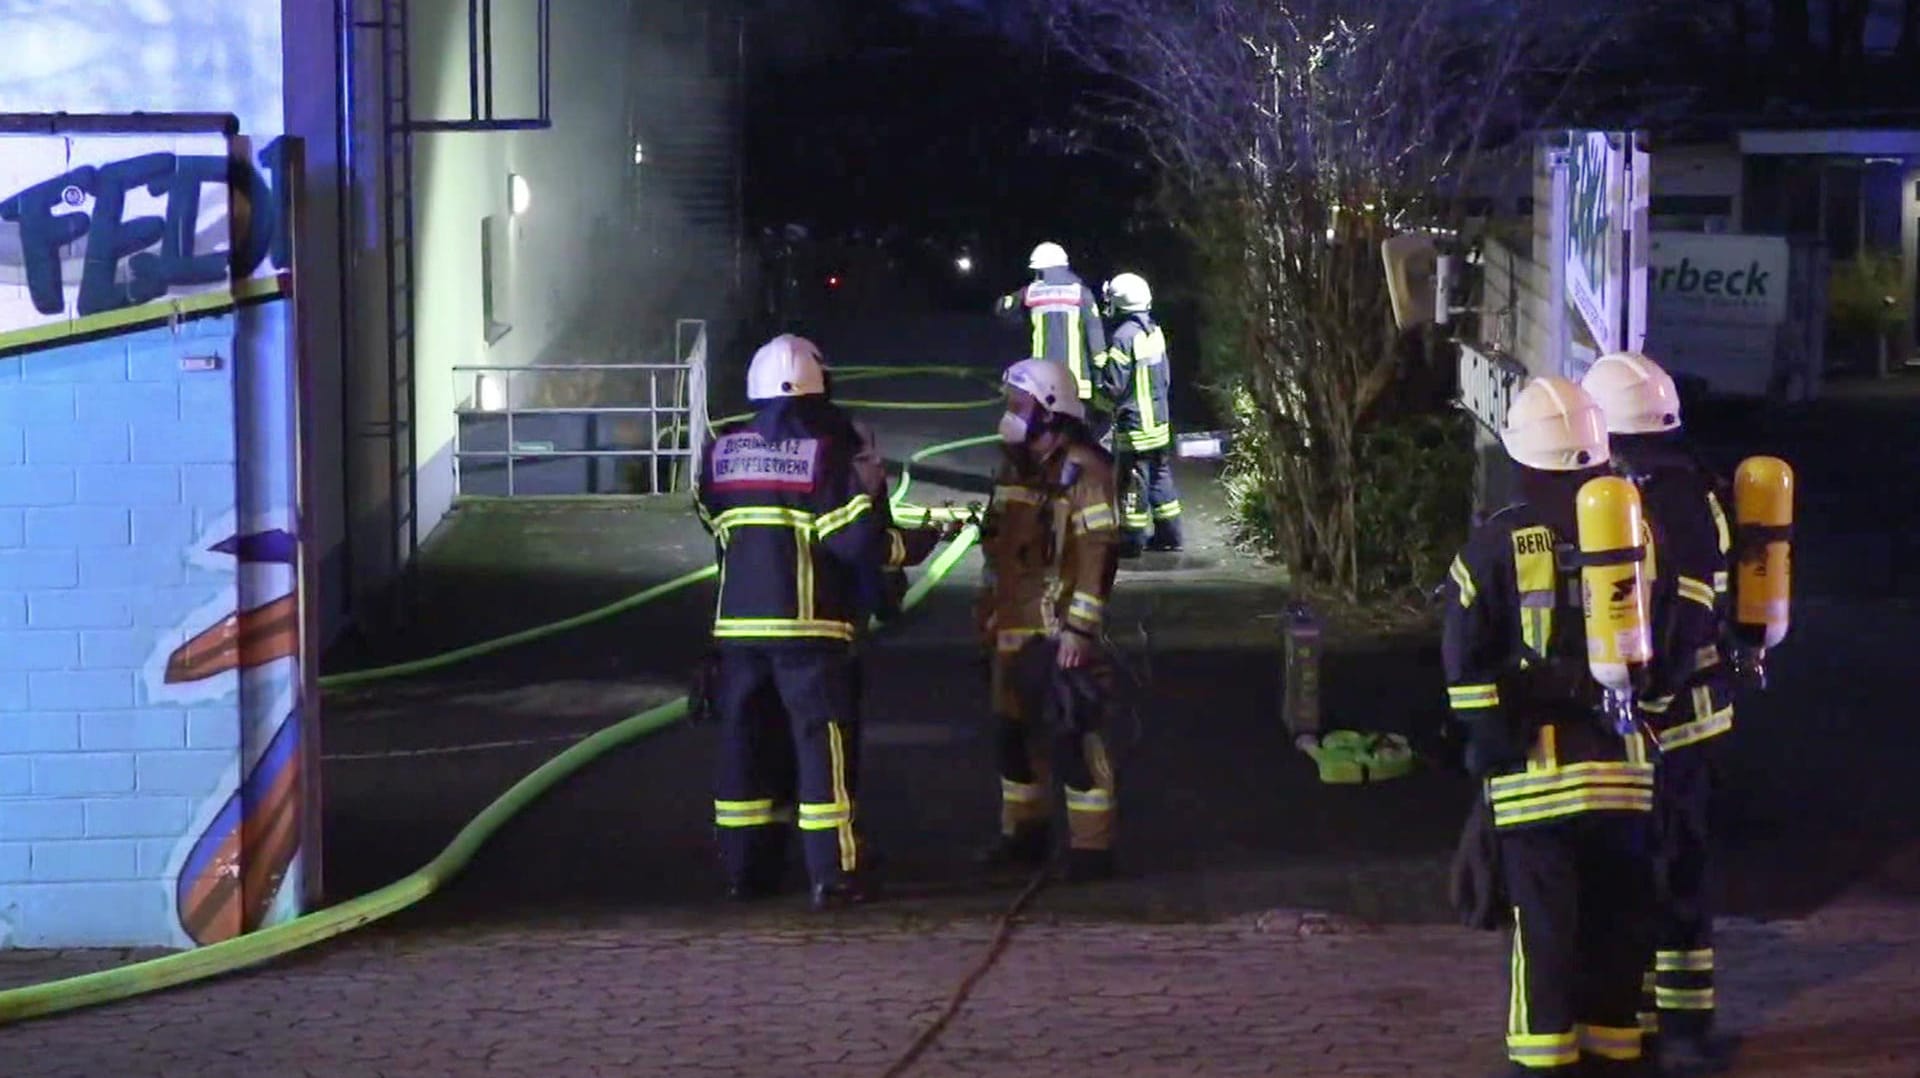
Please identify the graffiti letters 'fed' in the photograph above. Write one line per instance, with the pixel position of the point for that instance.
(160, 252)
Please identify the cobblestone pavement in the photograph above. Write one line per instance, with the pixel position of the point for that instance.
(776, 994)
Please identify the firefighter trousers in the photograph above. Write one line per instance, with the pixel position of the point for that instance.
(786, 735)
(1030, 752)
(1582, 891)
(1678, 989)
(1149, 501)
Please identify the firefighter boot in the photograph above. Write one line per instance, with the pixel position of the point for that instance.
(1026, 848)
(851, 889)
(753, 888)
(1166, 535)
(1088, 866)
(766, 867)
(1691, 1053)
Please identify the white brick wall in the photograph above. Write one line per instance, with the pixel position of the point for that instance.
(124, 463)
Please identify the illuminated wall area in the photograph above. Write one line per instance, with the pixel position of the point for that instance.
(514, 229)
(153, 652)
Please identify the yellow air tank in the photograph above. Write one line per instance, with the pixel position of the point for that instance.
(1613, 584)
(1763, 514)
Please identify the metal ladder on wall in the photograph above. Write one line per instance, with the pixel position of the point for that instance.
(396, 429)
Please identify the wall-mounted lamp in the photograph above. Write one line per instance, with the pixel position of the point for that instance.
(519, 195)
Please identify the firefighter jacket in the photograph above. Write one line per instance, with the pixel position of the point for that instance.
(1049, 537)
(1133, 373)
(1513, 646)
(1688, 699)
(1065, 316)
(801, 544)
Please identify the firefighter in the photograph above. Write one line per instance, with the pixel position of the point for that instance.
(1689, 701)
(1048, 539)
(802, 547)
(1134, 375)
(1065, 318)
(1571, 798)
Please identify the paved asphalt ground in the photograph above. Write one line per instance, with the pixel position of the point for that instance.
(1265, 923)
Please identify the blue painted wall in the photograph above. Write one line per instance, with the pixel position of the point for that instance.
(117, 469)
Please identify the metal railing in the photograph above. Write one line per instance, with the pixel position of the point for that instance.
(632, 435)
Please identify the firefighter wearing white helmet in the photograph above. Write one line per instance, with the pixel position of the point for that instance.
(782, 679)
(1047, 256)
(1567, 797)
(1689, 700)
(1063, 320)
(786, 366)
(1134, 374)
(1048, 539)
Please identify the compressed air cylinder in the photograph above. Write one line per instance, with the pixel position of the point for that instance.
(1763, 515)
(1613, 583)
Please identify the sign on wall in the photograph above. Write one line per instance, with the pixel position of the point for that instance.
(1609, 192)
(1488, 384)
(1719, 278)
(110, 232)
(1596, 247)
(1717, 302)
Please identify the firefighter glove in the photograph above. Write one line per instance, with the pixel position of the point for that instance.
(1491, 747)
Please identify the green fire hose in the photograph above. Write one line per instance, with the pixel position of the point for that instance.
(52, 997)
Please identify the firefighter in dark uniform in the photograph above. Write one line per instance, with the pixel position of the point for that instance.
(1048, 540)
(1065, 318)
(1570, 798)
(1135, 376)
(1690, 700)
(802, 548)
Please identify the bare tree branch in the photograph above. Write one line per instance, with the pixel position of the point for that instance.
(1299, 135)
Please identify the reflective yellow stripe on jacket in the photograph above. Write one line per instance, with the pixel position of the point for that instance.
(1549, 789)
(1149, 351)
(807, 528)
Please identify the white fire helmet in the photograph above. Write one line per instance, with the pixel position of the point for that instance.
(1128, 293)
(1553, 426)
(1047, 256)
(786, 366)
(1634, 394)
(1048, 382)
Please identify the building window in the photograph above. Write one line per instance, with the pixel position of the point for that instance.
(496, 274)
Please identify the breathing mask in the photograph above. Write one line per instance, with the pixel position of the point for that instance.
(1013, 428)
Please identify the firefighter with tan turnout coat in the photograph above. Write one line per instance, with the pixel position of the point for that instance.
(1048, 539)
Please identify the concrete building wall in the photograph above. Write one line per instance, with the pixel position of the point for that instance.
(1705, 170)
(544, 260)
(312, 45)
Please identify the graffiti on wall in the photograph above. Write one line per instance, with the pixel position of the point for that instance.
(231, 870)
(103, 235)
(134, 224)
